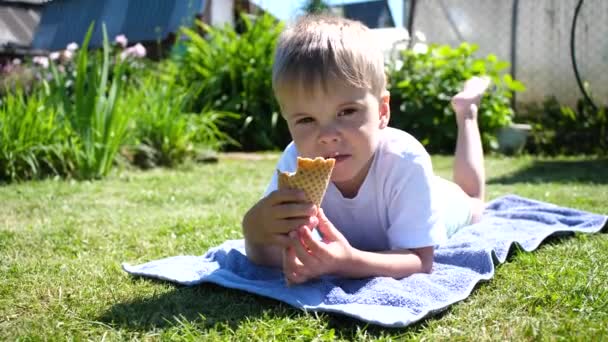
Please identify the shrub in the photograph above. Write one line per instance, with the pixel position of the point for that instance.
(74, 120)
(232, 73)
(166, 131)
(69, 123)
(423, 83)
(33, 141)
(14, 76)
(559, 129)
(90, 104)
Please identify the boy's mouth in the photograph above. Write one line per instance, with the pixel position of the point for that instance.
(338, 157)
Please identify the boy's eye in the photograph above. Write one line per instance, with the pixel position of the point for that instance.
(305, 120)
(347, 111)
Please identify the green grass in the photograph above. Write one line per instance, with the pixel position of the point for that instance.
(62, 242)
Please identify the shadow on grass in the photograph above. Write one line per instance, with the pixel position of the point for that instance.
(591, 170)
(349, 328)
(515, 250)
(208, 305)
(203, 306)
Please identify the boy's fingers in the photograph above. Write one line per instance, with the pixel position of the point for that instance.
(297, 278)
(314, 221)
(321, 216)
(281, 239)
(301, 250)
(287, 259)
(287, 225)
(288, 262)
(326, 228)
(291, 260)
(294, 278)
(292, 210)
(316, 247)
(287, 196)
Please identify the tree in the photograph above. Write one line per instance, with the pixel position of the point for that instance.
(315, 7)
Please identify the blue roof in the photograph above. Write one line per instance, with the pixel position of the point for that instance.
(374, 14)
(66, 21)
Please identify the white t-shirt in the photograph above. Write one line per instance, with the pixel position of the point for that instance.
(396, 206)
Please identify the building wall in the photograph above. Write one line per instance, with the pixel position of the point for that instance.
(542, 40)
(222, 12)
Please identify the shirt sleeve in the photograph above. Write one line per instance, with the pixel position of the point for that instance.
(288, 162)
(415, 216)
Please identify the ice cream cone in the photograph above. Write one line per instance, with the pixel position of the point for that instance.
(311, 176)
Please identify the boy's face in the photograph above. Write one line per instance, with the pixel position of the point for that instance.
(343, 123)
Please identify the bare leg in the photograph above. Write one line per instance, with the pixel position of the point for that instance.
(469, 170)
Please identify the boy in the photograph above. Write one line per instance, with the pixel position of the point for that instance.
(384, 210)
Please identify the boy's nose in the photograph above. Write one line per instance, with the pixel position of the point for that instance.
(329, 135)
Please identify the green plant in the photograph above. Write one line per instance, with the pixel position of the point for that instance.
(559, 129)
(423, 83)
(33, 140)
(91, 107)
(232, 73)
(315, 7)
(14, 76)
(166, 131)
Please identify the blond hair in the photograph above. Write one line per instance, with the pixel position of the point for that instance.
(323, 49)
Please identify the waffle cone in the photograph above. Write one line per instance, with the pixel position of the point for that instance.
(312, 176)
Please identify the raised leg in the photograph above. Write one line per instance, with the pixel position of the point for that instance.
(469, 170)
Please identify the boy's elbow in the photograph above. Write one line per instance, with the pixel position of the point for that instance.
(417, 260)
(255, 254)
(269, 256)
(427, 267)
(426, 259)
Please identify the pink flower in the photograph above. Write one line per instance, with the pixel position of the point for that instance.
(72, 47)
(67, 55)
(136, 51)
(41, 60)
(54, 55)
(121, 40)
(16, 61)
(139, 50)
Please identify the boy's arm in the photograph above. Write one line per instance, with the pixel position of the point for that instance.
(266, 224)
(308, 258)
(264, 255)
(257, 221)
(395, 264)
(416, 225)
(258, 253)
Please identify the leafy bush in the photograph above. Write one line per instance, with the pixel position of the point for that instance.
(86, 106)
(90, 104)
(166, 131)
(423, 83)
(558, 129)
(13, 76)
(69, 123)
(231, 73)
(33, 141)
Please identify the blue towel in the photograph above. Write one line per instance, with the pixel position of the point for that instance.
(467, 258)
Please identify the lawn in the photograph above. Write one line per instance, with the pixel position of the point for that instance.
(62, 242)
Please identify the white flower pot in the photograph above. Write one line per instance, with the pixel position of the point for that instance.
(512, 139)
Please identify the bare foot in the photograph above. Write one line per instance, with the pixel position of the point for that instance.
(466, 102)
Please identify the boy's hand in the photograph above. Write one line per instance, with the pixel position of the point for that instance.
(273, 217)
(307, 258)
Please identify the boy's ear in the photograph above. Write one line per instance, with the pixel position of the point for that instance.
(385, 109)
